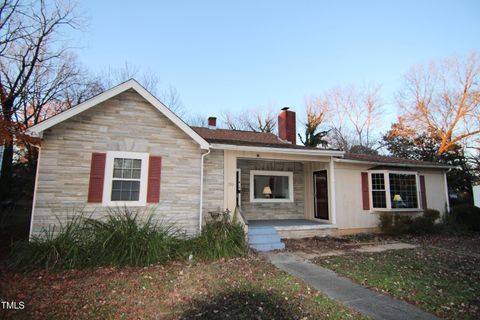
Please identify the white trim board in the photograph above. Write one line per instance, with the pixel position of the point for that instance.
(288, 174)
(130, 84)
(295, 151)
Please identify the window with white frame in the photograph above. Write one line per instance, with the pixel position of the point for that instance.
(126, 178)
(394, 190)
(271, 186)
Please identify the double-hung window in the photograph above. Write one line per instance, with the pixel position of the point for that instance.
(394, 190)
(271, 186)
(126, 178)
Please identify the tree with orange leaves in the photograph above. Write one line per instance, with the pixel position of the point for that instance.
(443, 99)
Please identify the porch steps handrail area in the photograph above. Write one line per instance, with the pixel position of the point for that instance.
(264, 238)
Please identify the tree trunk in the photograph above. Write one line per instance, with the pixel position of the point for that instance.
(7, 170)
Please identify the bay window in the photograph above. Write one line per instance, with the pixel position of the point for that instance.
(394, 190)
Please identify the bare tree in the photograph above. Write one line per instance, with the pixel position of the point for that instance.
(31, 49)
(112, 76)
(351, 115)
(444, 98)
(257, 120)
(196, 120)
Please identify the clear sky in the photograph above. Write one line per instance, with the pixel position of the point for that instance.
(226, 55)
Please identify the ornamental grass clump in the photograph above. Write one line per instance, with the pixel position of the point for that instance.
(125, 237)
(221, 237)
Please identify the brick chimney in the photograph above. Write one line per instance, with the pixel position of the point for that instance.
(212, 123)
(287, 126)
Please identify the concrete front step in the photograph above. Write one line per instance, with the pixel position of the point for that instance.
(261, 231)
(268, 247)
(264, 239)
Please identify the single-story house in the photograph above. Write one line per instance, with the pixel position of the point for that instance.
(123, 147)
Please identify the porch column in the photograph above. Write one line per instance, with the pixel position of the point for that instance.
(333, 203)
(230, 180)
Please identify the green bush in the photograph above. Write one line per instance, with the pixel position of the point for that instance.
(464, 217)
(395, 224)
(126, 237)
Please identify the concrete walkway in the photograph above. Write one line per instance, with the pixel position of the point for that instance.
(365, 301)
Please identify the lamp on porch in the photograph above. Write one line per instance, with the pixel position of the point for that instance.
(267, 192)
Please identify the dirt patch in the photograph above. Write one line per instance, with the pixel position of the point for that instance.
(334, 245)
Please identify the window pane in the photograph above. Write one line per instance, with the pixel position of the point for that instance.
(127, 174)
(403, 190)
(379, 200)
(115, 195)
(136, 174)
(117, 173)
(137, 163)
(127, 163)
(135, 186)
(125, 190)
(117, 163)
(378, 181)
(117, 185)
(270, 187)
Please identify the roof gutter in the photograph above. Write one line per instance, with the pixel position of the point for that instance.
(201, 189)
(318, 152)
(408, 165)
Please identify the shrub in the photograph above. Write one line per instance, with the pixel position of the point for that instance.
(395, 224)
(123, 239)
(126, 237)
(464, 217)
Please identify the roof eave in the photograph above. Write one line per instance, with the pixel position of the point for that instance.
(319, 152)
(408, 165)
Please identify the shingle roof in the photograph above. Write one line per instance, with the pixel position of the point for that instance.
(248, 138)
(262, 139)
(389, 160)
(234, 136)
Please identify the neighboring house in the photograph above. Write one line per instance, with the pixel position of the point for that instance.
(476, 195)
(125, 148)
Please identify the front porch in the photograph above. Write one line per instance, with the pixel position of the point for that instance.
(290, 224)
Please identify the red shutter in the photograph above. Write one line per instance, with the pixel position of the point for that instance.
(423, 193)
(154, 173)
(97, 177)
(365, 192)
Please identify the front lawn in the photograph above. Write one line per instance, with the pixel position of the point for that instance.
(442, 281)
(240, 288)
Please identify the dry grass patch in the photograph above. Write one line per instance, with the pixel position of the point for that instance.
(240, 288)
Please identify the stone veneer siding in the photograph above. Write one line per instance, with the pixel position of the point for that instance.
(213, 182)
(286, 210)
(125, 122)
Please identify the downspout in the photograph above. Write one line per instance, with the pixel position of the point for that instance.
(34, 192)
(446, 189)
(201, 189)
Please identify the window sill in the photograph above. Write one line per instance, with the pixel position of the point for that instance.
(124, 204)
(271, 201)
(381, 210)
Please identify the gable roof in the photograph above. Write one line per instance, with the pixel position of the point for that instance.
(127, 85)
(392, 161)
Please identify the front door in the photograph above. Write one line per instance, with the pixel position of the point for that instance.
(239, 188)
(321, 194)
